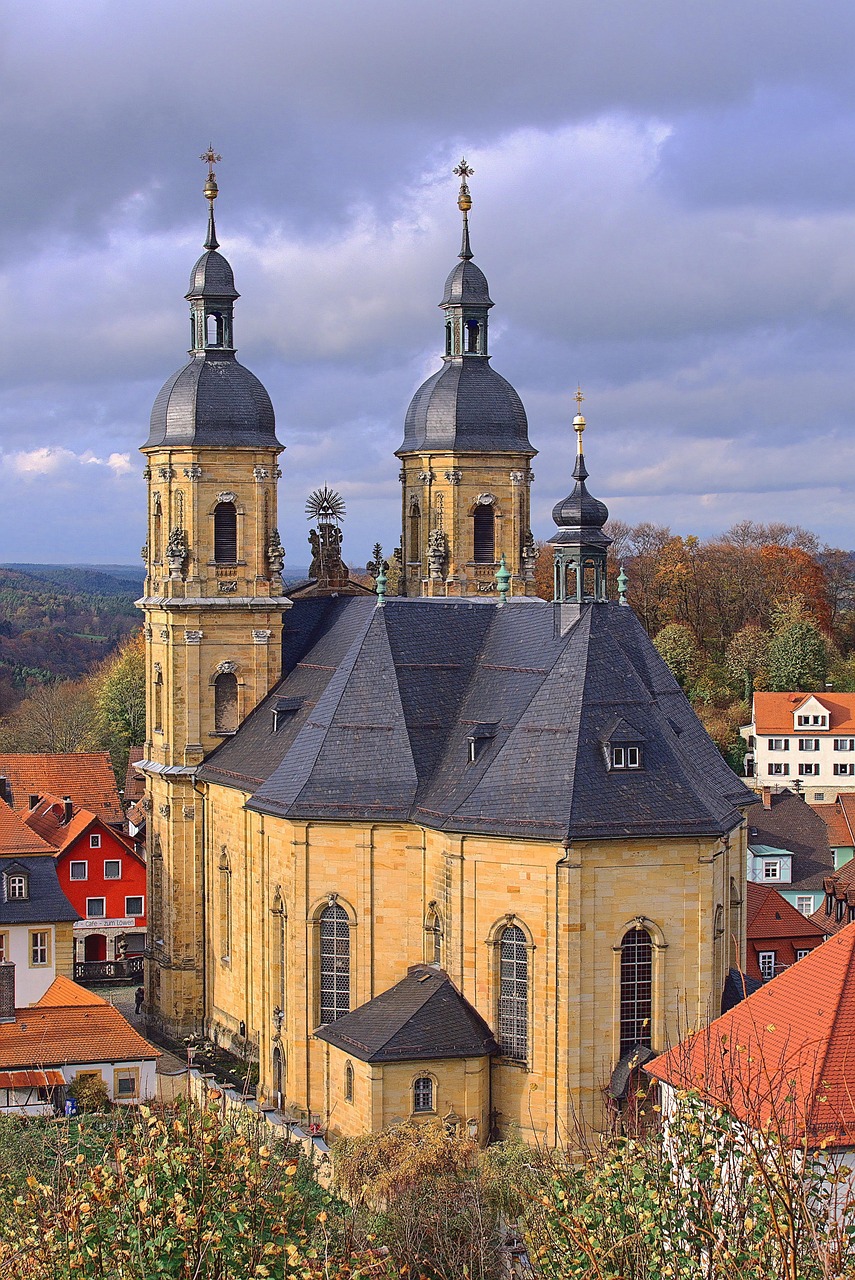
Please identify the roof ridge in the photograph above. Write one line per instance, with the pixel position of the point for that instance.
(429, 991)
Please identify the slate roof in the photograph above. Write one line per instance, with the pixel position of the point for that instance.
(773, 712)
(466, 407)
(387, 698)
(212, 400)
(791, 824)
(85, 1029)
(423, 1016)
(785, 1052)
(86, 776)
(46, 904)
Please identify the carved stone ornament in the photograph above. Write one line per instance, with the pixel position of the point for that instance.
(176, 552)
(146, 475)
(517, 477)
(454, 476)
(144, 551)
(436, 553)
(414, 500)
(189, 812)
(227, 588)
(165, 473)
(147, 631)
(275, 553)
(163, 810)
(425, 477)
(402, 475)
(261, 637)
(226, 668)
(193, 637)
(486, 500)
(193, 472)
(164, 633)
(261, 473)
(277, 473)
(227, 496)
(529, 556)
(158, 669)
(146, 805)
(155, 501)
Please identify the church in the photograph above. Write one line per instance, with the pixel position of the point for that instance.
(455, 853)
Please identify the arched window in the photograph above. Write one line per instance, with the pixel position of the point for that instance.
(636, 989)
(334, 963)
(415, 532)
(225, 533)
(473, 335)
(225, 702)
(278, 1075)
(348, 1083)
(225, 905)
(448, 338)
(513, 993)
(157, 690)
(423, 1094)
(484, 535)
(433, 945)
(156, 531)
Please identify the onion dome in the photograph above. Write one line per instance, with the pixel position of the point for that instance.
(580, 511)
(466, 407)
(212, 400)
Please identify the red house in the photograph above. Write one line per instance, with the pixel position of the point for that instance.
(777, 934)
(103, 876)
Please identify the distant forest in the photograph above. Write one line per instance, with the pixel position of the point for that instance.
(59, 622)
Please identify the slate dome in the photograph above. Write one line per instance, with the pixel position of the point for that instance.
(466, 407)
(212, 277)
(213, 400)
(466, 286)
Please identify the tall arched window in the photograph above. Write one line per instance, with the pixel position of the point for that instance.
(415, 532)
(278, 975)
(484, 533)
(156, 531)
(423, 1094)
(473, 337)
(225, 907)
(513, 993)
(448, 338)
(157, 691)
(225, 533)
(348, 1083)
(225, 702)
(636, 989)
(334, 963)
(433, 943)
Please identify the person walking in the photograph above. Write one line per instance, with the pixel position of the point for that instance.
(139, 996)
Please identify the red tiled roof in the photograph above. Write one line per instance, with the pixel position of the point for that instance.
(769, 916)
(50, 1034)
(63, 992)
(16, 836)
(785, 1054)
(834, 818)
(841, 886)
(30, 1079)
(86, 776)
(773, 712)
(47, 820)
(134, 781)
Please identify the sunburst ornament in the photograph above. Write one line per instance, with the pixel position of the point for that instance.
(325, 504)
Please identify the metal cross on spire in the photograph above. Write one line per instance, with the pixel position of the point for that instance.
(464, 204)
(210, 158)
(211, 191)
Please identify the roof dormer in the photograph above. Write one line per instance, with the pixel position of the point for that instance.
(811, 714)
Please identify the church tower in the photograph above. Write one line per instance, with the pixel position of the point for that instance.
(579, 546)
(466, 456)
(213, 608)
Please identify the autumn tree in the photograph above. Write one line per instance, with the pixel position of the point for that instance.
(119, 691)
(747, 657)
(56, 717)
(679, 648)
(798, 652)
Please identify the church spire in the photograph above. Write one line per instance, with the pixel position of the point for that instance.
(464, 204)
(211, 191)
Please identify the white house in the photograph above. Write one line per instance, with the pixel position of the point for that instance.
(806, 740)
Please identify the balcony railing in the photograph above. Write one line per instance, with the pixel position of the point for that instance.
(97, 971)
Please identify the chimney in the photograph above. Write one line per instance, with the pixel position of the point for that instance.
(767, 797)
(7, 991)
(33, 801)
(67, 810)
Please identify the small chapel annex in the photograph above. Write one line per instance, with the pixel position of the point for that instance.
(454, 853)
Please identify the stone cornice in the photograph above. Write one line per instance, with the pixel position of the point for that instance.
(194, 604)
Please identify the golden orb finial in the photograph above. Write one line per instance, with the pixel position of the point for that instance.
(578, 421)
(464, 199)
(210, 158)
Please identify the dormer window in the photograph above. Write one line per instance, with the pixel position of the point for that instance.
(479, 739)
(17, 887)
(626, 756)
(284, 710)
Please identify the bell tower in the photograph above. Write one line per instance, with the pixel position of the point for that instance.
(466, 457)
(579, 545)
(213, 607)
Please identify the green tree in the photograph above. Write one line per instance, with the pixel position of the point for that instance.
(120, 698)
(798, 651)
(747, 658)
(678, 646)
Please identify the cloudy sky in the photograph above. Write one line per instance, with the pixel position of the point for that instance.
(664, 205)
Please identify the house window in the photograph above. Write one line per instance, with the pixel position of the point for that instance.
(803, 720)
(4, 946)
(112, 869)
(779, 770)
(771, 870)
(79, 870)
(844, 744)
(626, 757)
(808, 744)
(348, 1083)
(17, 886)
(225, 533)
(126, 1082)
(844, 770)
(96, 907)
(134, 906)
(829, 903)
(802, 952)
(226, 703)
(423, 1094)
(766, 963)
(94, 842)
(513, 993)
(39, 948)
(484, 535)
(804, 903)
(779, 744)
(636, 989)
(334, 956)
(809, 770)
